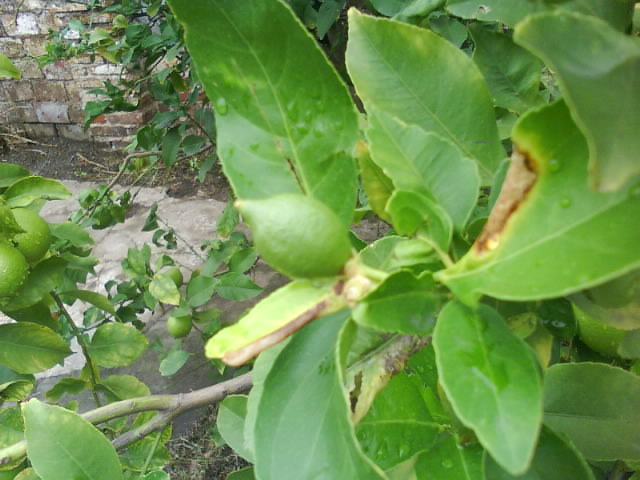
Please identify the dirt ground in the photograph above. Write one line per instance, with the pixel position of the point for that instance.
(86, 161)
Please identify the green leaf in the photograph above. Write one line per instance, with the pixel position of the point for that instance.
(423, 162)
(303, 428)
(377, 185)
(273, 312)
(231, 420)
(8, 69)
(23, 192)
(14, 387)
(174, 361)
(244, 474)
(30, 348)
(398, 425)
(171, 146)
(66, 385)
(512, 73)
(8, 224)
(560, 233)
(403, 303)
(617, 12)
(451, 458)
(509, 12)
(117, 345)
(596, 406)
(164, 289)
(411, 86)
(237, 286)
(73, 233)
(61, 445)
(200, 289)
(555, 459)
(379, 254)
(229, 219)
(93, 298)
(44, 278)
(605, 61)
(11, 173)
(450, 28)
(123, 387)
(297, 112)
(491, 380)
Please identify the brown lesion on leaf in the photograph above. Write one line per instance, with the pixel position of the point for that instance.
(520, 179)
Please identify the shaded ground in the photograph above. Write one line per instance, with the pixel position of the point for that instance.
(85, 161)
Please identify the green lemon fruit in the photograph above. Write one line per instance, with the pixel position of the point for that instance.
(174, 274)
(297, 235)
(36, 239)
(597, 335)
(179, 326)
(13, 269)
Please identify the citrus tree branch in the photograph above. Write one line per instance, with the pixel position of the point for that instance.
(168, 406)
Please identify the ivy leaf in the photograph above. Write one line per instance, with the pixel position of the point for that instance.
(512, 73)
(595, 405)
(604, 61)
(492, 382)
(558, 231)
(116, 345)
(293, 107)
(304, 431)
(26, 347)
(62, 445)
(411, 86)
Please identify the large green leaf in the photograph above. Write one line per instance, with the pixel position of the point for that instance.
(555, 459)
(285, 120)
(61, 445)
(451, 459)
(116, 345)
(512, 73)
(596, 406)
(403, 303)
(230, 422)
(419, 161)
(398, 425)
(292, 302)
(600, 78)
(565, 236)
(413, 86)
(30, 348)
(491, 380)
(303, 428)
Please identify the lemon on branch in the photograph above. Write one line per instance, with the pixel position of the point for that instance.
(297, 235)
(13, 269)
(35, 241)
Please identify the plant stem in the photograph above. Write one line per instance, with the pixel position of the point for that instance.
(78, 334)
(169, 406)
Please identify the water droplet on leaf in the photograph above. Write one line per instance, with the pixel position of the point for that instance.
(447, 464)
(554, 165)
(221, 106)
(565, 202)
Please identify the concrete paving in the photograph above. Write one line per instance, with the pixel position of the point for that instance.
(195, 220)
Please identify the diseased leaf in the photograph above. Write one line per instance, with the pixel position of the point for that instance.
(61, 445)
(596, 406)
(558, 231)
(285, 120)
(411, 87)
(605, 61)
(491, 380)
(303, 428)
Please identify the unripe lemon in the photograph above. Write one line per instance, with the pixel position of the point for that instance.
(179, 326)
(13, 269)
(598, 336)
(174, 274)
(297, 235)
(36, 239)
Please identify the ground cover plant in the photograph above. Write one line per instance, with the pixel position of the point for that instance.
(492, 334)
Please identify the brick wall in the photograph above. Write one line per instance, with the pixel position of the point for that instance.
(49, 101)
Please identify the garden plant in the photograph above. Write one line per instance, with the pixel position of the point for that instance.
(492, 333)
